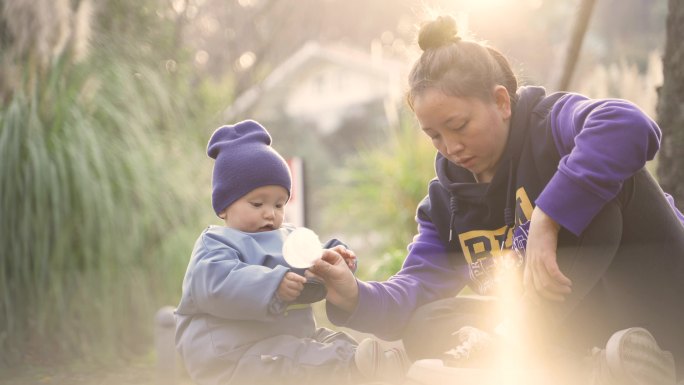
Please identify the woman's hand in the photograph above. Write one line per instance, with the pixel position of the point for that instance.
(333, 270)
(542, 275)
(348, 256)
(290, 287)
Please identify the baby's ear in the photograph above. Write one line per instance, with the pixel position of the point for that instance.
(222, 215)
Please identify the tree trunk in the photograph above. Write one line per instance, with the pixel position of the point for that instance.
(670, 107)
(579, 29)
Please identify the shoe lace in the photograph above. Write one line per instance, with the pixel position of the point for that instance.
(472, 342)
(599, 373)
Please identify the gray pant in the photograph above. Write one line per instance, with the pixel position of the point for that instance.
(327, 357)
(627, 270)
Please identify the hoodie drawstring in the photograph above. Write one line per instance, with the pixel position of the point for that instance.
(509, 213)
(452, 209)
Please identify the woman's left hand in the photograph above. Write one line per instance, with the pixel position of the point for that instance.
(542, 276)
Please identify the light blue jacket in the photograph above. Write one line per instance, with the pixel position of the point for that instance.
(228, 300)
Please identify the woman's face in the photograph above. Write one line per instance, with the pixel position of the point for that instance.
(470, 132)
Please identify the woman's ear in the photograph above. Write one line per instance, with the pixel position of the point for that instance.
(502, 100)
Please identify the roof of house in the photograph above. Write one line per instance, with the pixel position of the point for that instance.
(311, 58)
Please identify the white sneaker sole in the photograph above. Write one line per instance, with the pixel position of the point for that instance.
(634, 358)
(435, 372)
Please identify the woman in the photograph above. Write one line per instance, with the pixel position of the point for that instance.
(560, 180)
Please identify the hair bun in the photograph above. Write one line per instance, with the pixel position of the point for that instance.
(437, 33)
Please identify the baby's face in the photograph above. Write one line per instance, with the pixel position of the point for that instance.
(262, 209)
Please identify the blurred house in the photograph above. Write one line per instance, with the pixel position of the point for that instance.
(325, 86)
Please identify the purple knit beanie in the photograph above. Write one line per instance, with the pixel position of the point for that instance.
(245, 160)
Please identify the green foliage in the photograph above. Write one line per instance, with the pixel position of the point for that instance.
(98, 213)
(375, 196)
(380, 269)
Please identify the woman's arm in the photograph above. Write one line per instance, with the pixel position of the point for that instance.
(601, 143)
(384, 308)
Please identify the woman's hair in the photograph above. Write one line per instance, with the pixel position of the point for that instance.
(458, 67)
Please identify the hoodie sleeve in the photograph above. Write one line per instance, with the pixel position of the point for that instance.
(601, 144)
(224, 286)
(384, 308)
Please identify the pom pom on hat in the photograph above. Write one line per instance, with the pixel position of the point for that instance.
(245, 161)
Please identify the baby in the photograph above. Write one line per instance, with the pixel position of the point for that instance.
(245, 315)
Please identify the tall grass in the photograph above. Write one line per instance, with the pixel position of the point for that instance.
(626, 80)
(100, 195)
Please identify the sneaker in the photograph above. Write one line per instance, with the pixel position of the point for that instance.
(632, 357)
(377, 364)
(475, 347)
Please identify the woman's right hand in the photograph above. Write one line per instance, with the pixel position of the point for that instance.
(542, 276)
(332, 269)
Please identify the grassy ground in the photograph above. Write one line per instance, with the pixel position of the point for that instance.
(143, 371)
(140, 372)
(135, 374)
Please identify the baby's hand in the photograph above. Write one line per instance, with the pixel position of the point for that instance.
(290, 287)
(348, 256)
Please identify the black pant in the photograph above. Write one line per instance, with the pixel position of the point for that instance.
(627, 270)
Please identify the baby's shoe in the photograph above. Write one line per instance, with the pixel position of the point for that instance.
(377, 364)
(632, 357)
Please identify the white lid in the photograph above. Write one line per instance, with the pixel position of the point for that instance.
(301, 248)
